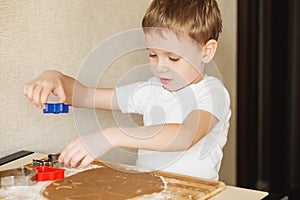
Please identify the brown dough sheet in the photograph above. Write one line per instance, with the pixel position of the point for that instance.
(104, 183)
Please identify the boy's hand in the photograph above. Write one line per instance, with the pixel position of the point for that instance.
(39, 89)
(82, 151)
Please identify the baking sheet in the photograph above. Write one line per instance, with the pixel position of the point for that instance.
(178, 186)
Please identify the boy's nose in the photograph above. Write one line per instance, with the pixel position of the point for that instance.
(161, 68)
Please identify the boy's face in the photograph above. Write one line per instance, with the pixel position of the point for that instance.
(176, 62)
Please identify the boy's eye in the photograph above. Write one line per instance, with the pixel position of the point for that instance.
(152, 55)
(174, 59)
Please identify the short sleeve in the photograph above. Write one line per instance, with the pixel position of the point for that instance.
(130, 98)
(213, 97)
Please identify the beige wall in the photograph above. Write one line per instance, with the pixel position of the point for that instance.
(226, 61)
(39, 35)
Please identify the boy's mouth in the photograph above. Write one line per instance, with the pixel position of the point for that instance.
(165, 81)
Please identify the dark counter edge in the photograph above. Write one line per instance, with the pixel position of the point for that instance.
(14, 156)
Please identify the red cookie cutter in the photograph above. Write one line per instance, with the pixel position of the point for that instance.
(46, 173)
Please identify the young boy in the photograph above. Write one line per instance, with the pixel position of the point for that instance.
(186, 112)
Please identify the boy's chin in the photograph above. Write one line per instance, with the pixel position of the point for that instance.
(172, 88)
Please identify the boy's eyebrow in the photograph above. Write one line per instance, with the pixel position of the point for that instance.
(166, 52)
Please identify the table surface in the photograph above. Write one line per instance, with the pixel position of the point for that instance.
(231, 192)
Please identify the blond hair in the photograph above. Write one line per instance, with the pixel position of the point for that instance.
(199, 19)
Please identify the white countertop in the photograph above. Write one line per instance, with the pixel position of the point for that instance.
(230, 193)
(237, 193)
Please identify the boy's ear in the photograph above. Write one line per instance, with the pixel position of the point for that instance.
(209, 50)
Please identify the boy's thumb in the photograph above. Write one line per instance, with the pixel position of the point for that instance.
(60, 94)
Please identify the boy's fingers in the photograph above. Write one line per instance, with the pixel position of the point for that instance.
(28, 90)
(68, 157)
(68, 152)
(60, 93)
(44, 96)
(36, 95)
(75, 155)
(86, 161)
(77, 158)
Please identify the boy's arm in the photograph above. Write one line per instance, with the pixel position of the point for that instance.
(167, 137)
(68, 90)
(99, 98)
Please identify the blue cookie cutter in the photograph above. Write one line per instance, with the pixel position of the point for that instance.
(56, 108)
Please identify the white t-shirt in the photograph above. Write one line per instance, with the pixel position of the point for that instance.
(160, 106)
